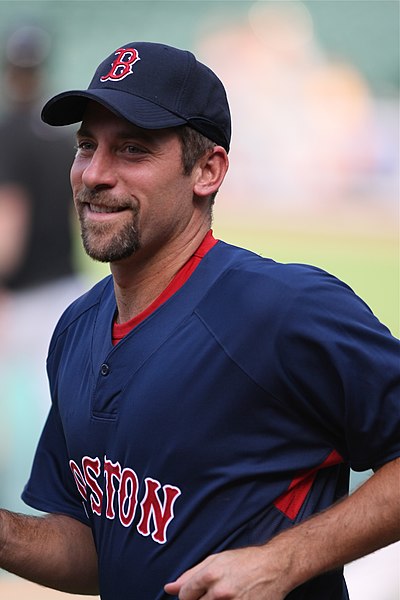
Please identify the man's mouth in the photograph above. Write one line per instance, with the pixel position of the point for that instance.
(105, 209)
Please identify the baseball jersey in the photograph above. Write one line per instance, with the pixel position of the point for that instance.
(230, 413)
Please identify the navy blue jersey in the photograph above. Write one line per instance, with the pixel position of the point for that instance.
(230, 413)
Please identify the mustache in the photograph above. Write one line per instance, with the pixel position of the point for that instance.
(104, 198)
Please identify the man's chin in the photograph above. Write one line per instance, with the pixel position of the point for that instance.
(110, 255)
(116, 249)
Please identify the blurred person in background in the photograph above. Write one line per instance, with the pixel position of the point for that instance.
(37, 274)
(33, 161)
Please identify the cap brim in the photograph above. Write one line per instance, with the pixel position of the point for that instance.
(69, 107)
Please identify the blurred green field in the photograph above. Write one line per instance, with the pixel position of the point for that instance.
(369, 264)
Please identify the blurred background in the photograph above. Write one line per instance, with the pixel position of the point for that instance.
(314, 91)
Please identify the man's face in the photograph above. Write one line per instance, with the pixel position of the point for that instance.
(129, 189)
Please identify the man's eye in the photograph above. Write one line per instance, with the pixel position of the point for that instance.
(130, 149)
(82, 146)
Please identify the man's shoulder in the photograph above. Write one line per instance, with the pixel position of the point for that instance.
(253, 272)
(256, 290)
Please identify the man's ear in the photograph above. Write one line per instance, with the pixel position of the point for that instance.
(210, 172)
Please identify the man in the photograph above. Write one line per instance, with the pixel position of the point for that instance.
(207, 403)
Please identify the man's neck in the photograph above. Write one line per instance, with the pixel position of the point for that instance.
(140, 279)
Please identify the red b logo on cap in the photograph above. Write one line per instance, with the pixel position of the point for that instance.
(122, 65)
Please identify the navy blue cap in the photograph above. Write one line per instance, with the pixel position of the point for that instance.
(153, 86)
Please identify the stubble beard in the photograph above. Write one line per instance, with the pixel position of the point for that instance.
(97, 238)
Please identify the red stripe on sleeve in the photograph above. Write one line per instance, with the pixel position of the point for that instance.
(292, 500)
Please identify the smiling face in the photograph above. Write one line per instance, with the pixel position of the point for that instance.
(129, 188)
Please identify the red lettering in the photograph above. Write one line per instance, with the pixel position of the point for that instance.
(79, 479)
(92, 465)
(128, 496)
(111, 471)
(122, 65)
(125, 484)
(151, 507)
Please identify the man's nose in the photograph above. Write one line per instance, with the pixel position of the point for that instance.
(99, 173)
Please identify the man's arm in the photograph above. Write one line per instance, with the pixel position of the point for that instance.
(54, 550)
(367, 520)
(14, 224)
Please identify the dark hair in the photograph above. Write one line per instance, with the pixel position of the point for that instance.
(194, 145)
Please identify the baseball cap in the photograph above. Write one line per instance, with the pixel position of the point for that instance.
(154, 86)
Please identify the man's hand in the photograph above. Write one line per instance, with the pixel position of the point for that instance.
(364, 522)
(247, 574)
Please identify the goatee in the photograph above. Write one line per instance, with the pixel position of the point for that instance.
(99, 240)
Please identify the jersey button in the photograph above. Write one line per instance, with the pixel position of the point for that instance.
(105, 369)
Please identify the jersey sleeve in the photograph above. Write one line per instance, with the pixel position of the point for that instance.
(51, 487)
(343, 368)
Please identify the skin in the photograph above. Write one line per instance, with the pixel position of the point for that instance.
(55, 551)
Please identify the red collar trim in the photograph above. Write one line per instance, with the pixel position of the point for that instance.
(121, 330)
